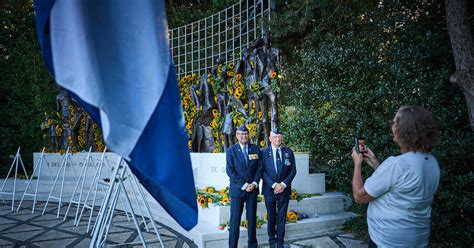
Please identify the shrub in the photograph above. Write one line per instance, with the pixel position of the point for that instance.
(349, 77)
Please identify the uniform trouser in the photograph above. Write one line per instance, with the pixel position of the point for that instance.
(277, 207)
(236, 209)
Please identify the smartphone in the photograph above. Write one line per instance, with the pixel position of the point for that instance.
(360, 145)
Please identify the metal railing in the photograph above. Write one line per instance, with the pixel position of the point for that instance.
(195, 46)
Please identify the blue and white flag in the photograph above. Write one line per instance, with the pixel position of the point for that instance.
(113, 57)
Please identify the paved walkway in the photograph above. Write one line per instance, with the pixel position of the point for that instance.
(24, 229)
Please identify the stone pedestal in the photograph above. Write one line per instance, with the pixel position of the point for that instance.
(209, 170)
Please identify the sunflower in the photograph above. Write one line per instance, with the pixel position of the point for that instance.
(252, 111)
(292, 216)
(238, 76)
(213, 123)
(255, 86)
(246, 106)
(50, 121)
(294, 195)
(210, 189)
(230, 73)
(238, 93)
(190, 143)
(209, 200)
(215, 112)
(225, 200)
(262, 143)
(202, 201)
(251, 127)
(222, 191)
(273, 74)
(260, 115)
(230, 89)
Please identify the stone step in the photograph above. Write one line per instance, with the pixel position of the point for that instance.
(328, 203)
(211, 237)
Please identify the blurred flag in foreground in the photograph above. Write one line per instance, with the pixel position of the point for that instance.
(113, 57)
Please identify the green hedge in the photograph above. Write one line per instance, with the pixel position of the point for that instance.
(353, 69)
(27, 90)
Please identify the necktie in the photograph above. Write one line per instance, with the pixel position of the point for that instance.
(278, 161)
(246, 155)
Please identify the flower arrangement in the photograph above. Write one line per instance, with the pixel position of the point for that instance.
(275, 81)
(189, 109)
(295, 196)
(292, 216)
(77, 131)
(211, 196)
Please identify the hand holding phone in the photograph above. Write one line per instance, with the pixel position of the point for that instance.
(360, 145)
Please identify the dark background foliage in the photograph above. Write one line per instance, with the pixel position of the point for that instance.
(352, 68)
(349, 65)
(26, 89)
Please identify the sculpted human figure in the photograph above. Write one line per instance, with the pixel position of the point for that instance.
(62, 104)
(202, 138)
(90, 135)
(268, 60)
(53, 139)
(67, 135)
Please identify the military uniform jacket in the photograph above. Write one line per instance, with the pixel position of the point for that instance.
(271, 176)
(240, 171)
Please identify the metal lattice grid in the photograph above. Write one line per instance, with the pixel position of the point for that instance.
(195, 46)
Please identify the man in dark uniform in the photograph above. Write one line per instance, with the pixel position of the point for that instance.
(279, 169)
(244, 168)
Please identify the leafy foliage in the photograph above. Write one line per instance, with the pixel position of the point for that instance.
(25, 85)
(353, 68)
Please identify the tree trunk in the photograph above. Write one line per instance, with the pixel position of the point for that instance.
(463, 51)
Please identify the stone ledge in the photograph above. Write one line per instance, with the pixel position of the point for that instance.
(304, 228)
(325, 204)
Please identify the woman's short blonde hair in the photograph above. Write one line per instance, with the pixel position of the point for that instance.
(416, 128)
